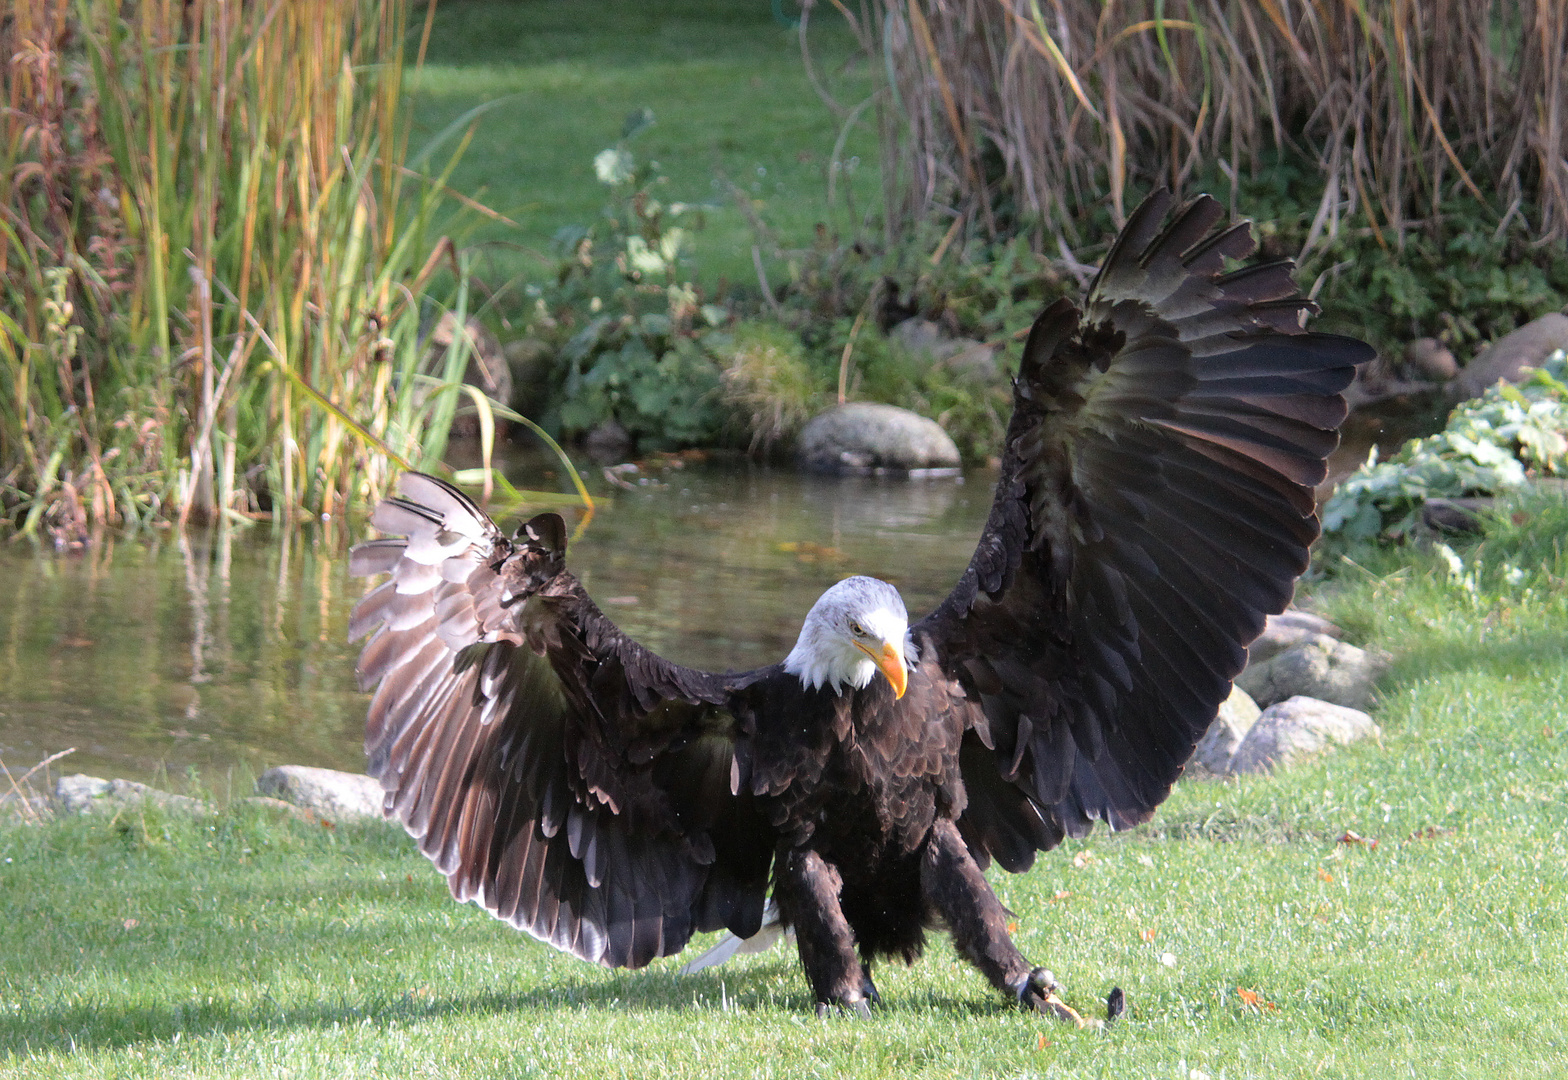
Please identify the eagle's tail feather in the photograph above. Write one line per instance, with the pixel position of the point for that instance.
(729, 945)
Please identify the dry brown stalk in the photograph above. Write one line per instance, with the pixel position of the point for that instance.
(1065, 106)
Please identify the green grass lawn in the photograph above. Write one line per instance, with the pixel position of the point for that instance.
(244, 946)
(729, 94)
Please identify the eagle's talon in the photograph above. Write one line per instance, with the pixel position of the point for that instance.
(852, 1004)
(1041, 992)
(1041, 979)
(1049, 1004)
(869, 988)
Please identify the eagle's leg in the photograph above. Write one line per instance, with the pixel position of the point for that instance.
(958, 891)
(807, 892)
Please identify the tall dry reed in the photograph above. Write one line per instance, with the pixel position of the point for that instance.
(214, 260)
(998, 111)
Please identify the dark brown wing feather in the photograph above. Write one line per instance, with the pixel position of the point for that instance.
(1155, 504)
(560, 775)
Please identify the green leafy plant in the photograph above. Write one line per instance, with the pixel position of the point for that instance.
(1491, 445)
(624, 317)
(660, 386)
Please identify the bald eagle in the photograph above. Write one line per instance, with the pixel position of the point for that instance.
(1155, 504)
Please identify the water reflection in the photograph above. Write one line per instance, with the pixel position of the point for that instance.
(212, 651)
(203, 651)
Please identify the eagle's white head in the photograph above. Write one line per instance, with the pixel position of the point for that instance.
(855, 629)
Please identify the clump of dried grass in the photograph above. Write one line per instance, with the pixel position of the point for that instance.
(21, 800)
(996, 111)
(767, 384)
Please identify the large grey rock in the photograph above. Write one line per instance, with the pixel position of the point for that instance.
(1298, 729)
(530, 360)
(863, 437)
(1460, 517)
(923, 338)
(1288, 628)
(83, 794)
(926, 340)
(609, 442)
(1428, 358)
(1316, 666)
(330, 793)
(1509, 356)
(1415, 382)
(1238, 713)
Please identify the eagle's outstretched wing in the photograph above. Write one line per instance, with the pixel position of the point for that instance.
(1155, 505)
(559, 774)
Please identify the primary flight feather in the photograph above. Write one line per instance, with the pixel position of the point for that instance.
(1155, 504)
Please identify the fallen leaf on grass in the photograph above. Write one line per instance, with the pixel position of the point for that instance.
(1043, 1042)
(131, 924)
(1356, 838)
(1431, 832)
(1012, 927)
(1147, 934)
(1083, 859)
(1061, 894)
(1324, 875)
(1254, 1000)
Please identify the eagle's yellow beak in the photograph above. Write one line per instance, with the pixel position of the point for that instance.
(891, 661)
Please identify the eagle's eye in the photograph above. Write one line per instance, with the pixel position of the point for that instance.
(856, 629)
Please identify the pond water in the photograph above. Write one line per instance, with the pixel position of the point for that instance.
(224, 652)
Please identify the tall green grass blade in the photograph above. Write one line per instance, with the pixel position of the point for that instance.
(254, 155)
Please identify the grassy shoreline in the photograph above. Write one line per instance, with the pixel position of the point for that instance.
(225, 251)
